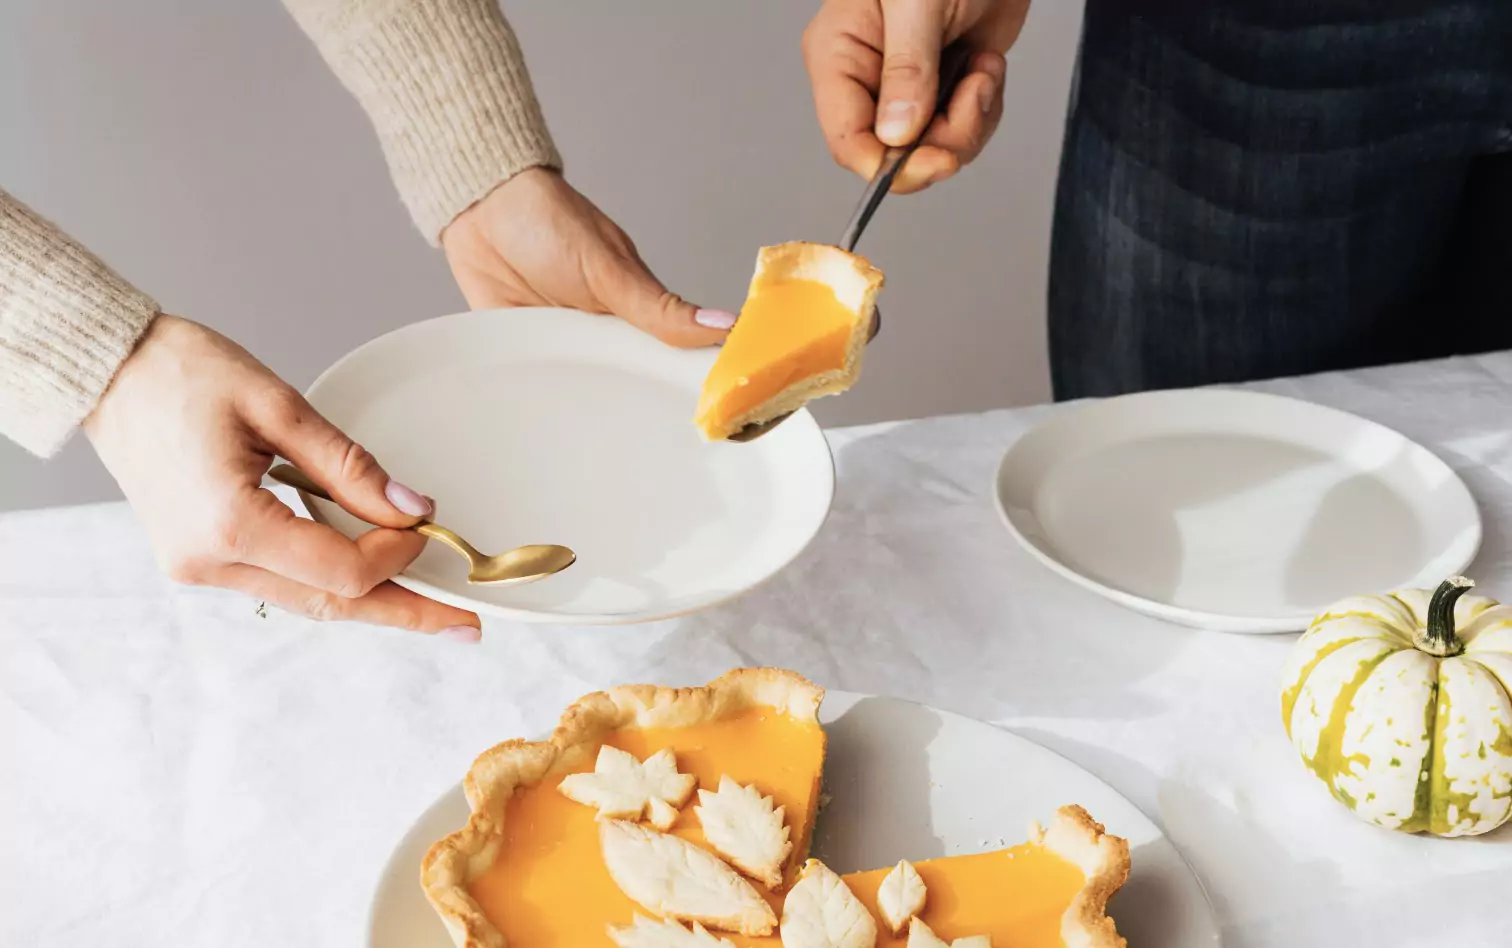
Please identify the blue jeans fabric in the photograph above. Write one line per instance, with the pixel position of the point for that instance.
(1276, 187)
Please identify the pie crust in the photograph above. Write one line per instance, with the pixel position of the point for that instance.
(453, 863)
(901, 897)
(1104, 861)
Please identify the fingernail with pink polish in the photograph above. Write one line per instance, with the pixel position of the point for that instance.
(892, 121)
(462, 633)
(408, 500)
(714, 318)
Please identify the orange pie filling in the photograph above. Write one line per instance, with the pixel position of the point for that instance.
(790, 331)
(1016, 896)
(799, 336)
(548, 887)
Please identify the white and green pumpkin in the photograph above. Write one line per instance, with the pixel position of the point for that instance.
(1402, 705)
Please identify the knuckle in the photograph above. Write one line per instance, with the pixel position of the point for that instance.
(668, 303)
(325, 607)
(280, 407)
(185, 570)
(901, 66)
(351, 582)
(408, 618)
(624, 245)
(812, 38)
(830, 52)
(357, 463)
(226, 537)
(851, 61)
(843, 149)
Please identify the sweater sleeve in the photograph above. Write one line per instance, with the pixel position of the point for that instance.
(445, 86)
(67, 322)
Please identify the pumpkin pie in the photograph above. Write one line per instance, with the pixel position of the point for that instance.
(658, 818)
(801, 334)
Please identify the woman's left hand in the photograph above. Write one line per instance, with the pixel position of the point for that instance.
(535, 241)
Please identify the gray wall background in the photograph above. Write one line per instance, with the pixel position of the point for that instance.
(205, 151)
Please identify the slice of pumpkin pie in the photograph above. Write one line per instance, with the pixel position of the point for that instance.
(801, 334)
(565, 845)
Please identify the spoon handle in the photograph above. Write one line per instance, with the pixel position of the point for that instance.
(299, 480)
(953, 62)
(437, 532)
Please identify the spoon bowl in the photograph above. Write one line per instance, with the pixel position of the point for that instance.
(523, 564)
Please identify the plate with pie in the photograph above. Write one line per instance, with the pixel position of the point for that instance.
(755, 812)
(556, 426)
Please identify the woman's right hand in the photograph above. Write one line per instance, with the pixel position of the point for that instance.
(188, 428)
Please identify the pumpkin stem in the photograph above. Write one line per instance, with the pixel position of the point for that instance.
(1438, 635)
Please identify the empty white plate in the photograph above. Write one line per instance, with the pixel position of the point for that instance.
(904, 781)
(1231, 510)
(555, 426)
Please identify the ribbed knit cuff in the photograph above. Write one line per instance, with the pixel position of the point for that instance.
(445, 85)
(67, 322)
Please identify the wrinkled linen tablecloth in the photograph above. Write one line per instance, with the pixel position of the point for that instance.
(176, 770)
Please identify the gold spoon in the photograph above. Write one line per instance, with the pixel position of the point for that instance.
(953, 61)
(523, 564)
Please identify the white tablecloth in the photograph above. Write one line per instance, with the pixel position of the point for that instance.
(176, 770)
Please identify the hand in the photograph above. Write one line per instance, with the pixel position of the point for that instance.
(535, 241)
(188, 428)
(863, 52)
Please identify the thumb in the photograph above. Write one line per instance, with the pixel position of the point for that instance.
(912, 36)
(630, 291)
(354, 478)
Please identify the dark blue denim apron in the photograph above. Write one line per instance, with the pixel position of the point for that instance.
(1255, 189)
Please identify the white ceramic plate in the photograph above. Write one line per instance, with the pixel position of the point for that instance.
(1231, 510)
(554, 426)
(905, 781)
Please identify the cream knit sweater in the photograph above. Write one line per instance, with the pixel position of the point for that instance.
(445, 86)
